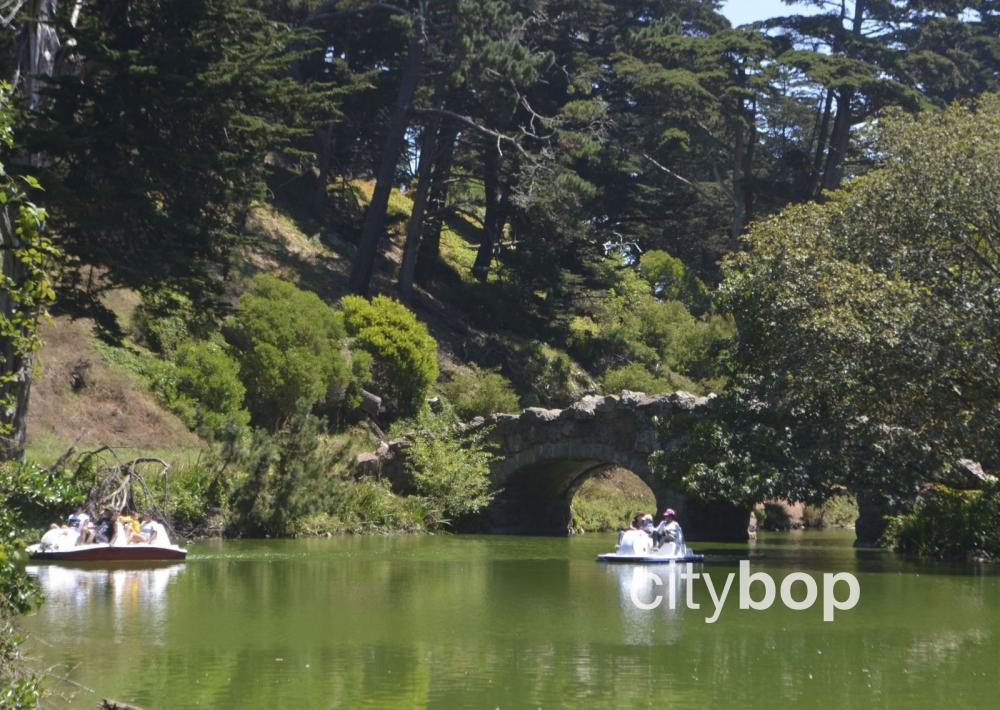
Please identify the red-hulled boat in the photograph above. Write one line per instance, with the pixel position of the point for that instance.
(107, 553)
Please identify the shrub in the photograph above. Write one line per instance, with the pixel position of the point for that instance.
(603, 504)
(450, 470)
(404, 355)
(474, 392)
(551, 376)
(671, 281)
(637, 378)
(630, 325)
(773, 517)
(204, 387)
(950, 524)
(292, 348)
(840, 511)
(283, 476)
(166, 318)
(368, 504)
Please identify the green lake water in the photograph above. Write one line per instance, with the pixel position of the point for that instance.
(507, 622)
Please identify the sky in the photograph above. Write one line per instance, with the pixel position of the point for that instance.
(741, 12)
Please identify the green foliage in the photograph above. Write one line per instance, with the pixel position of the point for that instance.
(161, 194)
(475, 392)
(637, 378)
(200, 382)
(367, 505)
(550, 376)
(165, 318)
(404, 355)
(839, 511)
(603, 504)
(204, 387)
(284, 475)
(950, 524)
(450, 469)
(773, 517)
(25, 492)
(630, 325)
(25, 288)
(672, 281)
(866, 324)
(292, 348)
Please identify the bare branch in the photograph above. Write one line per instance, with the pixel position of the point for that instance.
(471, 123)
(690, 183)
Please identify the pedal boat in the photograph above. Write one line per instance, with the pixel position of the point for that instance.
(665, 554)
(103, 552)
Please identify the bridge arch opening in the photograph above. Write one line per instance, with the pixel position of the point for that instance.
(537, 484)
(608, 498)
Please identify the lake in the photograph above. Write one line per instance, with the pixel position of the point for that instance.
(509, 622)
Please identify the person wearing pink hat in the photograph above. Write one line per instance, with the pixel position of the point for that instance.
(669, 530)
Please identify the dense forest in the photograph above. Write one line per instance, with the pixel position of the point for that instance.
(295, 222)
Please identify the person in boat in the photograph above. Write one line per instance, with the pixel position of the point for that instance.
(153, 531)
(78, 519)
(669, 530)
(125, 532)
(102, 531)
(635, 540)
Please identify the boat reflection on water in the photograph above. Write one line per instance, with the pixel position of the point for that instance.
(72, 593)
(638, 589)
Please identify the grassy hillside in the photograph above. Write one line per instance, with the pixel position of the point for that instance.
(92, 391)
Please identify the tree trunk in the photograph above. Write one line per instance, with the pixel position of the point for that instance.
(833, 173)
(493, 221)
(374, 227)
(414, 227)
(15, 365)
(821, 138)
(738, 187)
(324, 158)
(840, 140)
(429, 253)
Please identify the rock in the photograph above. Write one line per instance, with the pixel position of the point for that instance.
(539, 414)
(501, 418)
(371, 404)
(684, 401)
(585, 408)
(967, 474)
(367, 464)
(435, 404)
(396, 445)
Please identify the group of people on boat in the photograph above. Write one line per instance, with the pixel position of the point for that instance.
(644, 537)
(111, 528)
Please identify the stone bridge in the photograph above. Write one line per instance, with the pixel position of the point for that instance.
(544, 455)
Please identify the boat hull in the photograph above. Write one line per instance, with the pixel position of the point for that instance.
(109, 553)
(648, 559)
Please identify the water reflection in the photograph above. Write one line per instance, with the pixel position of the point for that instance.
(136, 594)
(642, 586)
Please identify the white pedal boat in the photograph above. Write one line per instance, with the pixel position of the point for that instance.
(666, 554)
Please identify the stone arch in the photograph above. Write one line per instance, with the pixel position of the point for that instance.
(544, 455)
(537, 484)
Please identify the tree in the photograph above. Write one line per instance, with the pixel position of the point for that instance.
(403, 352)
(170, 186)
(25, 254)
(292, 349)
(868, 326)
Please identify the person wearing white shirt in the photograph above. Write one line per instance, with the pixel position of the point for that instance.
(669, 530)
(153, 531)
